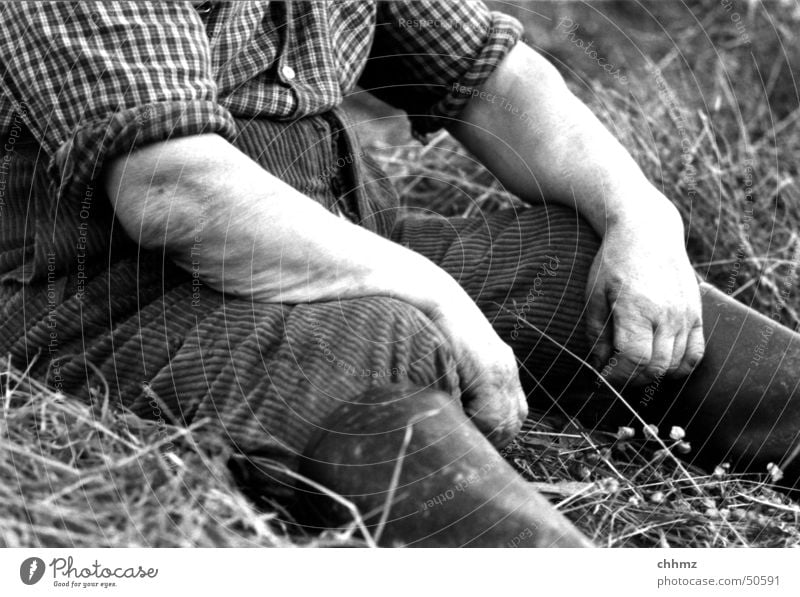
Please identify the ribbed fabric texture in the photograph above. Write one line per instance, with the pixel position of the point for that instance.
(267, 375)
(41, 238)
(527, 270)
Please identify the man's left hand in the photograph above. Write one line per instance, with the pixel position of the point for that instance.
(643, 299)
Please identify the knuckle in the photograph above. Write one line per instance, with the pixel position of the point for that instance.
(694, 357)
(594, 331)
(507, 352)
(695, 315)
(510, 420)
(696, 351)
(639, 354)
(507, 362)
(672, 316)
(523, 413)
(657, 369)
(594, 324)
(511, 427)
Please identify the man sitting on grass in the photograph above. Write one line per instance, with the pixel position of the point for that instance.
(189, 216)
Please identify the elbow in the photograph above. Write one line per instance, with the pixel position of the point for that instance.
(160, 191)
(149, 214)
(149, 210)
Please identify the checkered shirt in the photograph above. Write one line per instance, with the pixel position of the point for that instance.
(92, 80)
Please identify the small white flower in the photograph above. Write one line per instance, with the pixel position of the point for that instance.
(775, 472)
(624, 433)
(677, 433)
(650, 431)
(610, 484)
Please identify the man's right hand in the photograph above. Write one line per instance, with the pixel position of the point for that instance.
(251, 235)
(492, 393)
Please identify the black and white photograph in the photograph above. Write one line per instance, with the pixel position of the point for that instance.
(365, 274)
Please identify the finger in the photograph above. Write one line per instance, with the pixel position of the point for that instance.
(695, 348)
(678, 350)
(499, 423)
(522, 402)
(633, 340)
(599, 327)
(497, 405)
(506, 384)
(503, 431)
(661, 358)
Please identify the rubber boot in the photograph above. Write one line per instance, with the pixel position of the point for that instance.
(422, 475)
(741, 405)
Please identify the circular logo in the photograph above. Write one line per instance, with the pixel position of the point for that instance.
(31, 570)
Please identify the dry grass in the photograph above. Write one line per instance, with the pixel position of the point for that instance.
(623, 494)
(626, 493)
(716, 131)
(74, 476)
(71, 475)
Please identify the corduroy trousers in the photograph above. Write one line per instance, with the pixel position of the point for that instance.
(266, 375)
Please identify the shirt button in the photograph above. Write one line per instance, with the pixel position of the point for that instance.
(204, 8)
(288, 72)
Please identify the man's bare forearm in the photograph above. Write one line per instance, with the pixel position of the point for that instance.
(541, 141)
(247, 233)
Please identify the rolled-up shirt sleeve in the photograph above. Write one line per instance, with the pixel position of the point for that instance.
(93, 80)
(428, 55)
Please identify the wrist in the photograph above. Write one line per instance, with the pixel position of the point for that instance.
(425, 285)
(649, 210)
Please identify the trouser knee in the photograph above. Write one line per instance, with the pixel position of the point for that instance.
(387, 340)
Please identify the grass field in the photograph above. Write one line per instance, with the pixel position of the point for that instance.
(708, 107)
